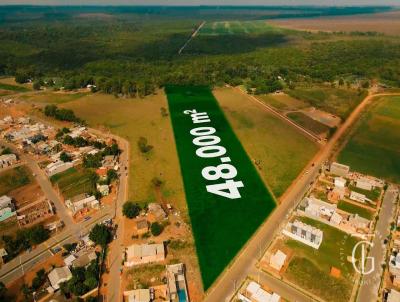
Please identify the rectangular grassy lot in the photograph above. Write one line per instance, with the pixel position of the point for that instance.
(221, 226)
(14, 178)
(374, 147)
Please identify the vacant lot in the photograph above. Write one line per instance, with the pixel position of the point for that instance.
(237, 27)
(282, 101)
(214, 216)
(13, 179)
(386, 23)
(308, 123)
(374, 147)
(338, 101)
(310, 268)
(279, 150)
(353, 209)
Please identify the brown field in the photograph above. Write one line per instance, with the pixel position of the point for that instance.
(386, 23)
(279, 150)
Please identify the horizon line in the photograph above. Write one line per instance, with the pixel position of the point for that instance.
(201, 5)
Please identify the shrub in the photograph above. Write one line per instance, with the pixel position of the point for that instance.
(130, 209)
(156, 229)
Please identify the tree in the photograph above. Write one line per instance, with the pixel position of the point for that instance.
(156, 229)
(111, 176)
(100, 234)
(65, 157)
(37, 85)
(39, 279)
(3, 292)
(130, 209)
(69, 247)
(143, 146)
(21, 77)
(6, 151)
(37, 234)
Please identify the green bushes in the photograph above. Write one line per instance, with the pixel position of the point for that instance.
(61, 114)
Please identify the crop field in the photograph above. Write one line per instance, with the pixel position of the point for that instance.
(224, 192)
(281, 152)
(13, 179)
(74, 181)
(374, 147)
(310, 268)
(338, 101)
(237, 28)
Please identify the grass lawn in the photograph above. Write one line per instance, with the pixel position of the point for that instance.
(74, 181)
(374, 194)
(338, 101)
(13, 179)
(13, 88)
(310, 268)
(308, 123)
(374, 147)
(221, 226)
(282, 151)
(353, 209)
(54, 97)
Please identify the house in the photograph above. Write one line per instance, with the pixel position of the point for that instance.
(358, 197)
(5, 202)
(6, 213)
(102, 173)
(394, 264)
(336, 219)
(336, 194)
(255, 293)
(142, 226)
(69, 259)
(103, 189)
(359, 222)
(35, 212)
(364, 184)
(23, 120)
(58, 276)
(339, 169)
(317, 208)
(7, 160)
(304, 233)
(138, 295)
(58, 167)
(156, 212)
(3, 253)
(277, 260)
(393, 296)
(176, 282)
(109, 161)
(340, 182)
(84, 259)
(137, 254)
(82, 201)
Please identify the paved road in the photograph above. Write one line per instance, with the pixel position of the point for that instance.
(369, 288)
(191, 37)
(222, 290)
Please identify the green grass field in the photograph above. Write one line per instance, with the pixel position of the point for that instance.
(310, 268)
(308, 123)
(338, 101)
(221, 226)
(54, 97)
(237, 27)
(13, 88)
(74, 181)
(14, 178)
(353, 209)
(374, 147)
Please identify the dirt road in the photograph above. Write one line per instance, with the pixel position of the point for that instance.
(242, 265)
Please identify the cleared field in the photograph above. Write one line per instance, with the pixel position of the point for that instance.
(74, 181)
(13, 179)
(280, 151)
(282, 101)
(374, 147)
(132, 119)
(353, 209)
(212, 166)
(310, 268)
(237, 27)
(338, 101)
(308, 123)
(54, 97)
(386, 23)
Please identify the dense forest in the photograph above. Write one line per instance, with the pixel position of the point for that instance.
(132, 51)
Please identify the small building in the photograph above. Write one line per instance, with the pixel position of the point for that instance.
(84, 259)
(357, 197)
(393, 296)
(7, 160)
(58, 167)
(6, 213)
(336, 219)
(277, 260)
(3, 253)
(340, 182)
(58, 276)
(137, 254)
(35, 212)
(339, 169)
(304, 233)
(142, 226)
(364, 184)
(336, 194)
(5, 202)
(102, 173)
(359, 222)
(69, 259)
(317, 208)
(103, 189)
(81, 202)
(394, 264)
(156, 212)
(138, 295)
(255, 293)
(176, 282)
(109, 161)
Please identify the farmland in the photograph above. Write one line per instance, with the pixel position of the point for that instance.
(374, 147)
(215, 217)
(310, 268)
(281, 152)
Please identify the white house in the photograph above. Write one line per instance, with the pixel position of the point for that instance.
(7, 160)
(358, 197)
(82, 201)
(58, 167)
(137, 254)
(364, 183)
(103, 189)
(254, 292)
(304, 233)
(277, 260)
(5, 202)
(58, 276)
(393, 296)
(138, 295)
(339, 169)
(340, 182)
